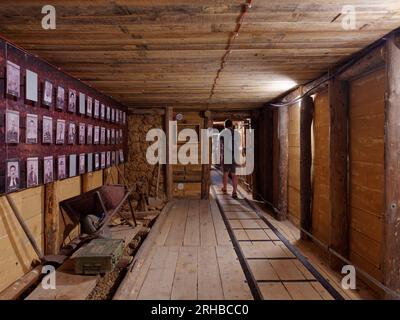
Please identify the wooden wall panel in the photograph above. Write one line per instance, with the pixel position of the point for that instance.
(16, 253)
(321, 198)
(294, 165)
(366, 136)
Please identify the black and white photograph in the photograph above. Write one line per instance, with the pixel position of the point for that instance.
(112, 115)
(72, 165)
(124, 117)
(108, 159)
(113, 136)
(31, 86)
(89, 134)
(47, 93)
(103, 160)
(82, 133)
(121, 155)
(31, 128)
(89, 162)
(48, 169)
(72, 100)
(82, 103)
(108, 136)
(108, 114)
(82, 161)
(117, 115)
(60, 131)
(96, 135)
(12, 126)
(103, 135)
(13, 79)
(32, 172)
(71, 133)
(12, 175)
(96, 161)
(112, 157)
(47, 134)
(61, 167)
(96, 112)
(103, 111)
(89, 106)
(121, 139)
(60, 103)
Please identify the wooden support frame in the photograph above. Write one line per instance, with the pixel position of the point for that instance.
(51, 220)
(306, 119)
(283, 163)
(206, 168)
(168, 166)
(391, 256)
(338, 165)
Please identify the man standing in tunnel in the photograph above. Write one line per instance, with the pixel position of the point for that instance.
(230, 144)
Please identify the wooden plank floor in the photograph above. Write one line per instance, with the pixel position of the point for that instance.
(192, 258)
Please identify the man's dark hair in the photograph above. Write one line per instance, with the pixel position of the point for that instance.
(228, 123)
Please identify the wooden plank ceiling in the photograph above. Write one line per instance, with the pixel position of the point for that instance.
(147, 53)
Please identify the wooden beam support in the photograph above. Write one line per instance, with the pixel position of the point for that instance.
(51, 219)
(283, 163)
(338, 159)
(168, 166)
(206, 168)
(306, 118)
(391, 259)
(255, 125)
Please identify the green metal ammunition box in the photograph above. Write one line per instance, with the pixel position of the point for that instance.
(99, 256)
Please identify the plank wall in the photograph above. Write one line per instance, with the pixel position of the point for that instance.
(367, 171)
(321, 200)
(294, 165)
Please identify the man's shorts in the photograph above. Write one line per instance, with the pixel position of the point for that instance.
(229, 168)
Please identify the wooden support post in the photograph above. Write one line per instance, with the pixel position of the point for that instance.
(391, 259)
(338, 160)
(283, 163)
(306, 118)
(168, 167)
(256, 172)
(51, 219)
(206, 168)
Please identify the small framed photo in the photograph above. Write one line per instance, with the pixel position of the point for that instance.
(82, 133)
(121, 139)
(103, 135)
(31, 87)
(61, 167)
(12, 126)
(96, 135)
(89, 162)
(60, 131)
(82, 103)
(82, 160)
(116, 158)
(71, 133)
(96, 112)
(12, 175)
(103, 160)
(96, 161)
(13, 79)
(113, 157)
(103, 111)
(112, 115)
(72, 100)
(60, 103)
(124, 117)
(108, 136)
(116, 115)
(121, 155)
(108, 116)
(112, 136)
(32, 172)
(72, 165)
(47, 93)
(47, 135)
(31, 129)
(89, 107)
(108, 160)
(48, 170)
(89, 134)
